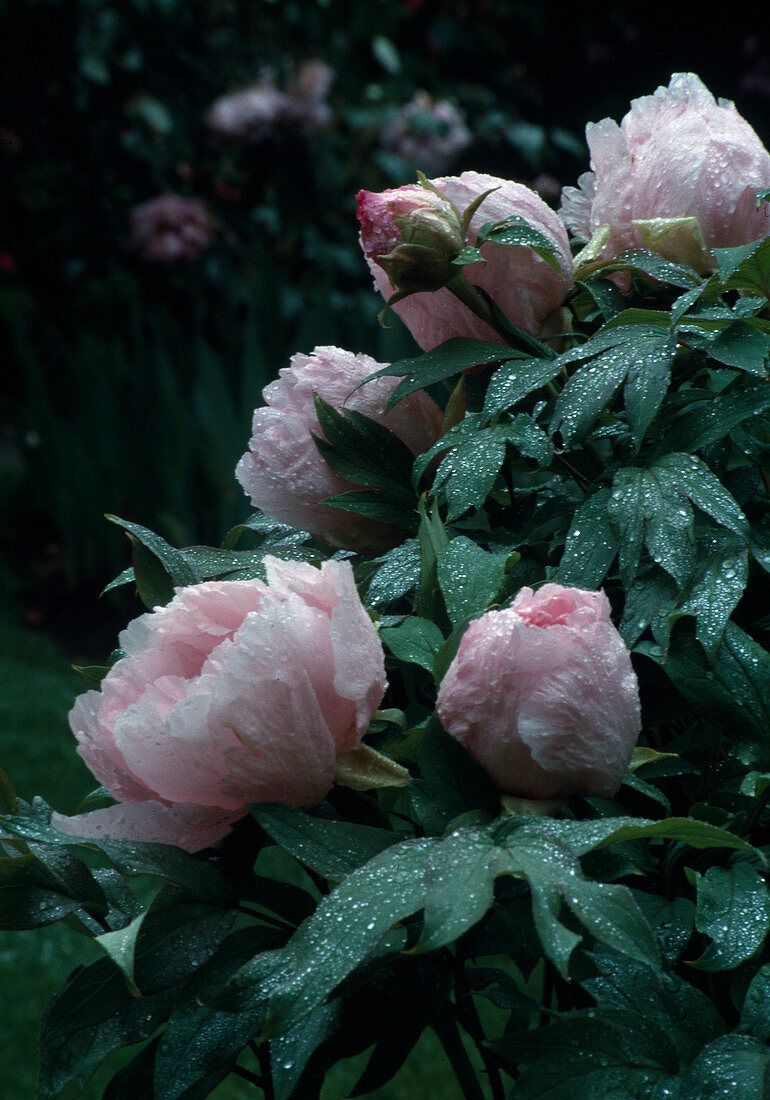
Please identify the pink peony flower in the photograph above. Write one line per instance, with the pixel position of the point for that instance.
(678, 154)
(283, 472)
(543, 695)
(169, 228)
(429, 133)
(523, 285)
(235, 692)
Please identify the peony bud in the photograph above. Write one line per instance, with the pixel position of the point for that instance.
(543, 695)
(283, 472)
(412, 234)
(525, 287)
(233, 693)
(679, 176)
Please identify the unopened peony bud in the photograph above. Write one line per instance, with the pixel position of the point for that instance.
(412, 234)
(283, 471)
(524, 286)
(679, 176)
(170, 228)
(233, 693)
(543, 695)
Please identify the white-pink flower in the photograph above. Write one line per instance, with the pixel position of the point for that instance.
(249, 115)
(429, 133)
(525, 287)
(544, 696)
(283, 471)
(235, 692)
(678, 154)
(170, 227)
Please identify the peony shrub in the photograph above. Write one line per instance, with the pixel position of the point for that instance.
(474, 706)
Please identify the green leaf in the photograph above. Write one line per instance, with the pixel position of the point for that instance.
(692, 475)
(432, 538)
(397, 574)
(588, 392)
(592, 1055)
(414, 640)
(453, 781)
(755, 1014)
(746, 267)
(591, 544)
(198, 878)
(734, 689)
(199, 1047)
(363, 452)
(651, 598)
(346, 927)
(654, 265)
(713, 419)
(137, 1078)
(647, 382)
(609, 912)
(734, 910)
(651, 507)
(516, 231)
(698, 834)
(120, 947)
(743, 346)
(91, 1015)
(332, 848)
(159, 568)
(650, 510)
(444, 361)
(468, 473)
(27, 897)
(684, 1013)
(716, 589)
(290, 1053)
(469, 577)
(459, 881)
(641, 356)
(514, 380)
(733, 1067)
(376, 506)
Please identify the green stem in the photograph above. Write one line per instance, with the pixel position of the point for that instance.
(590, 448)
(470, 1020)
(470, 296)
(448, 1033)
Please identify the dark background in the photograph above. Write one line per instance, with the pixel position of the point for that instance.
(131, 383)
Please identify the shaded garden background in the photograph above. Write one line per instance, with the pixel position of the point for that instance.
(131, 384)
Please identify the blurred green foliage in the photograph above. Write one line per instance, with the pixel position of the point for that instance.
(134, 383)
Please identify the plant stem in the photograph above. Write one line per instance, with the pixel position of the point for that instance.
(448, 1033)
(470, 1020)
(470, 296)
